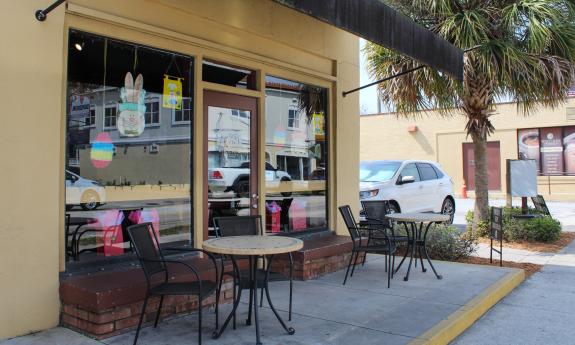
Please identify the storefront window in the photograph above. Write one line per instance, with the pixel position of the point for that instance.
(553, 148)
(125, 161)
(296, 156)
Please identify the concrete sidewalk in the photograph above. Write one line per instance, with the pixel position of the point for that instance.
(540, 311)
(363, 311)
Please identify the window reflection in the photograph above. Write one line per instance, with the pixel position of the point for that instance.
(296, 154)
(126, 161)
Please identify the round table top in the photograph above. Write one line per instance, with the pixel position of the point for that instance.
(252, 245)
(419, 217)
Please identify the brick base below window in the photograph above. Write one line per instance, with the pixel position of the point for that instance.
(314, 268)
(106, 323)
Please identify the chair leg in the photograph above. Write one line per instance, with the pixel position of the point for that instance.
(199, 318)
(141, 319)
(393, 266)
(290, 285)
(348, 266)
(159, 311)
(354, 263)
(385, 256)
(388, 257)
(234, 297)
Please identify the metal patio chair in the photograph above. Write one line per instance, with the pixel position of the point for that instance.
(386, 246)
(250, 225)
(375, 212)
(154, 264)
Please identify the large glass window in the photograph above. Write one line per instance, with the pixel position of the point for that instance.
(297, 161)
(125, 162)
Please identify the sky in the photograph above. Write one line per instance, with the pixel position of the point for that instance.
(368, 96)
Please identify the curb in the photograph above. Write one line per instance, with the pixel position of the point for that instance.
(464, 317)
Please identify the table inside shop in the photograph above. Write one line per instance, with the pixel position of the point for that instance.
(253, 247)
(417, 236)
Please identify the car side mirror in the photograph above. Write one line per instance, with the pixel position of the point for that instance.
(406, 179)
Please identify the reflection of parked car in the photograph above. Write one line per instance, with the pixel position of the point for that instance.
(411, 186)
(318, 174)
(86, 193)
(238, 179)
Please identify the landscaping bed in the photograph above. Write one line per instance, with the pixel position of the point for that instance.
(529, 268)
(551, 247)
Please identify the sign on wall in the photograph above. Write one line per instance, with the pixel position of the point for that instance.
(172, 98)
(551, 151)
(80, 107)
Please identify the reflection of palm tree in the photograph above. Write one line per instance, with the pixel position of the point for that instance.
(311, 101)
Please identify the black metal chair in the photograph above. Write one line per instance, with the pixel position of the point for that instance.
(375, 212)
(246, 226)
(154, 263)
(386, 246)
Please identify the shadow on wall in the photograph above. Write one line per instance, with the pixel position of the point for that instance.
(423, 142)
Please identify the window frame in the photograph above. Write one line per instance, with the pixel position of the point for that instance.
(115, 117)
(149, 101)
(183, 111)
(296, 119)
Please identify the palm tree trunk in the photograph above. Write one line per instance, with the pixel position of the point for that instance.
(481, 213)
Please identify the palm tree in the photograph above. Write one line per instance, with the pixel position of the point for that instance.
(522, 49)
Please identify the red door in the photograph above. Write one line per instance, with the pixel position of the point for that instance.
(493, 165)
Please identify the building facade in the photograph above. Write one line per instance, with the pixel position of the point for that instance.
(546, 136)
(115, 105)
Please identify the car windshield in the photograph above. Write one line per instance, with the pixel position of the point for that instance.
(377, 171)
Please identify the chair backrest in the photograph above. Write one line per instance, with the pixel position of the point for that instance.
(147, 248)
(497, 223)
(377, 209)
(350, 222)
(238, 226)
(540, 204)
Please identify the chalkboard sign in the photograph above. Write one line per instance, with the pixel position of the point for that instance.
(522, 177)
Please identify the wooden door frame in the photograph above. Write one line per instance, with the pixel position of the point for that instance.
(232, 101)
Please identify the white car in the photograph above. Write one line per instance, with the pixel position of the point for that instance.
(410, 185)
(86, 193)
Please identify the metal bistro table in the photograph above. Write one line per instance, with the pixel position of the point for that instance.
(415, 238)
(253, 247)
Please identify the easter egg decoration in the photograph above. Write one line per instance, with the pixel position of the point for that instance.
(102, 151)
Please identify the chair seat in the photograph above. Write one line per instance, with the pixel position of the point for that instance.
(377, 249)
(184, 288)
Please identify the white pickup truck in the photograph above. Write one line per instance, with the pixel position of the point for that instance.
(237, 179)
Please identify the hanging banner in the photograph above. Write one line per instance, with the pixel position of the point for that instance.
(569, 149)
(319, 126)
(528, 143)
(172, 92)
(551, 151)
(131, 121)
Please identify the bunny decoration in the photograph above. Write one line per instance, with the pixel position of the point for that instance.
(131, 120)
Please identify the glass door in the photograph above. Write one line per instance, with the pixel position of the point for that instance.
(230, 156)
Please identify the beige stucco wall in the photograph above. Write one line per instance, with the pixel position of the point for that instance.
(257, 34)
(386, 136)
(31, 86)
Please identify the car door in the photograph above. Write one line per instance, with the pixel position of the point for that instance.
(407, 194)
(72, 191)
(429, 191)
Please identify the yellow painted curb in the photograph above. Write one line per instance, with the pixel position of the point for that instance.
(464, 317)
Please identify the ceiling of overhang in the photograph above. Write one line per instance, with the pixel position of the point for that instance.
(378, 23)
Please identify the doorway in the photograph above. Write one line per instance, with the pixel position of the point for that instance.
(230, 156)
(493, 165)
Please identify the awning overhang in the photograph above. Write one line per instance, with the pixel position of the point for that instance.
(378, 23)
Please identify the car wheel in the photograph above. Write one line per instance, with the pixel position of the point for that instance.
(90, 200)
(242, 189)
(394, 208)
(285, 194)
(448, 208)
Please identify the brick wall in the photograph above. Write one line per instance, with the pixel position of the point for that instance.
(109, 322)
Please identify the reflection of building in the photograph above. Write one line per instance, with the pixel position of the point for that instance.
(546, 136)
(165, 139)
